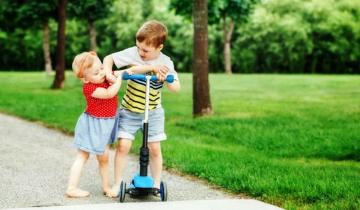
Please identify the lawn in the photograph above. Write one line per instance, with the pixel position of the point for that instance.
(290, 140)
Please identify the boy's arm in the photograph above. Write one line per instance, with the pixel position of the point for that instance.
(140, 69)
(108, 64)
(157, 69)
(174, 86)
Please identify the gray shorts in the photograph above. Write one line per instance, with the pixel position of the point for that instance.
(131, 122)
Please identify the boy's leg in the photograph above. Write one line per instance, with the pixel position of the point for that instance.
(103, 161)
(122, 150)
(75, 172)
(156, 162)
(156, 135)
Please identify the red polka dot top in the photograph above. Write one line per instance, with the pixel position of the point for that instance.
(99, 107)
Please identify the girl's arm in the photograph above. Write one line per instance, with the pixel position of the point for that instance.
(111, 91)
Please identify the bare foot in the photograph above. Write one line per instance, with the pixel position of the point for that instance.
(107, 192)
(77, 193)
(113, 192)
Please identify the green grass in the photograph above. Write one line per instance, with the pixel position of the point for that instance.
(291, 140)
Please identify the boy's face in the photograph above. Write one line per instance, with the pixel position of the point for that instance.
(148, 52)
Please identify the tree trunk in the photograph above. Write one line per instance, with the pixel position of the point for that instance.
(228, 31)
(46, 48)
(201, 92)
(92, 31)
(314, 64)
(60, 48)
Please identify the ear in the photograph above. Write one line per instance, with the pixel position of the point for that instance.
(84, 80)
(160, 47)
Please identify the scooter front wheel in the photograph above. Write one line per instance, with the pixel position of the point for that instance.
(122, 191)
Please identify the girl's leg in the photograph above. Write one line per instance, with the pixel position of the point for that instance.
(103, 161)
(75, 172)
(122, 150)
(156, 162)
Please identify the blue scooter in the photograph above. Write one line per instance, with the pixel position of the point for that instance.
(142, 184)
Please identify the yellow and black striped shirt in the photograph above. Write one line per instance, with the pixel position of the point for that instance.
(134, 98)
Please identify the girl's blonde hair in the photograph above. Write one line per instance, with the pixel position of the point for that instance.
(82, 62)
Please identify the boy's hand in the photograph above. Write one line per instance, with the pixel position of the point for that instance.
(161, 72)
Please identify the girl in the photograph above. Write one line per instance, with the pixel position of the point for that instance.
(97, 125)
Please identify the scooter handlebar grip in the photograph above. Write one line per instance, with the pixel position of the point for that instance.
(127, 76)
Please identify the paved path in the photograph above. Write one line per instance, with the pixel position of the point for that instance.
(227, 204)
(35, 163)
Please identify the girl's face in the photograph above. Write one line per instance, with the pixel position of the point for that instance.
(95, 74)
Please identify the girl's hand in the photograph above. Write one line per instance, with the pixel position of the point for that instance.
(110, 78)
(129, 71)
(119, 74)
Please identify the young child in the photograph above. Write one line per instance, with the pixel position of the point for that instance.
(150, 40)
(95, 126)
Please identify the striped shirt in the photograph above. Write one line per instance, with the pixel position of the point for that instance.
(134, 98)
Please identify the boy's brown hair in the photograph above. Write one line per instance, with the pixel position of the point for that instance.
(153, 32)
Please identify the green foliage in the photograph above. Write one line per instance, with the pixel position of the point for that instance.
(291, 140)
(281, 36)
(18, 42)
(174, 47)
(219, 14)
(8, 11)
(297, 36)
(124, 22)
(79, 41)
(217, 9)
(90, 9)
(33, 13)
(127, 17)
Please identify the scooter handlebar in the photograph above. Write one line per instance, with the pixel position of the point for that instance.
(127, 76)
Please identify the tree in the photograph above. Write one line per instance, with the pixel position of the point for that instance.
(228, 13)
(225, 12)
(90, 10)
(36, 13)
(201, 92)
(29, 15)
(295, 36)
(60, 48)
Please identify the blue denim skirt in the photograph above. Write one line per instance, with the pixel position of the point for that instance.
(92, 134)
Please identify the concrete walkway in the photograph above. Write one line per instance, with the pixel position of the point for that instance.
(237, 204)
(35, 163)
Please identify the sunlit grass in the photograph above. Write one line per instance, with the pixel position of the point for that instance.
(291, 140)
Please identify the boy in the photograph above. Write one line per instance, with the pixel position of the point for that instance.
(150, 40)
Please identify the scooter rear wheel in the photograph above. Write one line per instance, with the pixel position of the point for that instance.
(163, 191)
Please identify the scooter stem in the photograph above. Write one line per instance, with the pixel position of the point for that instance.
(144, 150)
